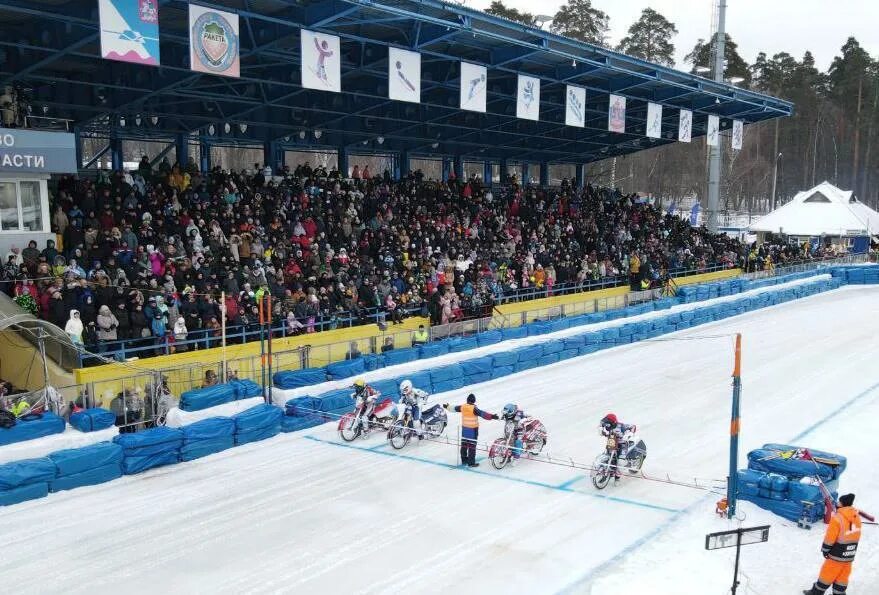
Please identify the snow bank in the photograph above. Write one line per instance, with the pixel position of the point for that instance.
(40, 447)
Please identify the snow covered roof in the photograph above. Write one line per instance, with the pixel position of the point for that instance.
(823, 210)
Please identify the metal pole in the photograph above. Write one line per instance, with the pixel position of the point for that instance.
(268, 298)
(715, 156)
(735, 578)
(775, 179)
(734, 427)
(223, 332)
(262, 345)
(42, 345)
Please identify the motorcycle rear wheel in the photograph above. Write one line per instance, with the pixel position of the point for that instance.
(499, 454)
(537, 447)
(398, 435)
(635, 465)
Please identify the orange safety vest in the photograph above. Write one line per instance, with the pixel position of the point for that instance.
(469, 419)
(843, 534)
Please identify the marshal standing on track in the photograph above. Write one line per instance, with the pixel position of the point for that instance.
(470, 415)
(839, 548)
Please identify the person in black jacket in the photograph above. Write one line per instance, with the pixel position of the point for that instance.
(123, 328)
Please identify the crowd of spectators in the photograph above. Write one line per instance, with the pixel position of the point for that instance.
(146, 255)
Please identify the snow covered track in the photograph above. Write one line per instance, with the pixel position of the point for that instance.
(297, 515)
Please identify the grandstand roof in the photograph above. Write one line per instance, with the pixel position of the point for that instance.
(52, 47)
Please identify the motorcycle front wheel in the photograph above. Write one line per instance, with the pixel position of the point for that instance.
(350, 432)
(601, 471)
(399, 435)
(499, 454)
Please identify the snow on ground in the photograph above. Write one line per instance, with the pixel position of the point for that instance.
(304, 513)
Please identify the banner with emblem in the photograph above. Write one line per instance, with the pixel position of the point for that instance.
(404, 75)
(213, 41)
(528, 98)
(575, 106)
(713, 132)
(654, 120)
(685, 126)
(738, 134)
(616, 114)
(474, 87)
(321, 62)
(130, 31)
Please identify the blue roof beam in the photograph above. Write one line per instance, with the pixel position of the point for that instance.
(325, 13)
(511, 54)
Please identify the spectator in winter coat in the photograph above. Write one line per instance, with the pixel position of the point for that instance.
(107, 325)
(74, 328)
(180, 333)
(123, 319)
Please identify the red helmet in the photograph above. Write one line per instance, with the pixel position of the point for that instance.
(609, 419)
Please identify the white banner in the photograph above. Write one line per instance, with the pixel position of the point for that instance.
(528, 98)
(685, 126)
(713, 132)
(575, 106)
(321, 62)
(738, 134)
(616, 114)
(654, 120)
(213, 41)
(474, 87)
(404, 75)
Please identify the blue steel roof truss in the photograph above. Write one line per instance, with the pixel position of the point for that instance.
(56, 53)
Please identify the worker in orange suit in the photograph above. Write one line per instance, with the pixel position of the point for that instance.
(839, 548)
(470, 415)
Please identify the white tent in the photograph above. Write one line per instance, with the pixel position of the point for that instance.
(824, 210)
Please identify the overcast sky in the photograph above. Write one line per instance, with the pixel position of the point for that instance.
(772, 26)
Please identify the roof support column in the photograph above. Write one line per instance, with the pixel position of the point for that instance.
(77, 140)
(487, 173)
(504, 173)
(205, 155)
(459, 167)
(580, 176)
(402, 165)
(544, 174)
(526, 177)
(181, 143)
(272, 156)
(115, 152)
(343, 162)
(446, 168)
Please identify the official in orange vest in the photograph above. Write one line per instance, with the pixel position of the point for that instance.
(470, 415)
(839, 548)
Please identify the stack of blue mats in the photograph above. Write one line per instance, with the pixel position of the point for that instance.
(299, 378)
(244, 389)
(207, 437)
(150, 448)
(27, 429)
(301, 413)
(89, 465)
(25, 480)
(203, 398)
(92, 420)
(257, 423)
(346, 369)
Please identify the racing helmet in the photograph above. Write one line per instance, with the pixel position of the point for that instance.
(406, 388)
(359, 385)
(609, 421)
(509, 411)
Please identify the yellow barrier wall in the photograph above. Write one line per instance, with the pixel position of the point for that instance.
(186, 370)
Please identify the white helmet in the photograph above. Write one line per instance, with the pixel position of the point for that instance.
(406, 387)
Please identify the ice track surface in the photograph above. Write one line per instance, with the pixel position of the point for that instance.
(306, 513)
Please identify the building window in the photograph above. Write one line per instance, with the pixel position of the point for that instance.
(21, 208)
(8, 207)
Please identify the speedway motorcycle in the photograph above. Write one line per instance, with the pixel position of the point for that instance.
(533, 436)
(606, 466)
(401, 431)
(383, 416)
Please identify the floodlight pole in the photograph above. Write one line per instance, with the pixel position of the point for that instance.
(714, 152)
(732, 486)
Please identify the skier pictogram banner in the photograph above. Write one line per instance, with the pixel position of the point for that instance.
(213, 41)
(713, 132)
(404, 75)
(616, 114)
(685, 126)
(130, 31)
(321, 62)
(528, 98)
(654, 120)
(474, 87)
(575, 106)
(738, 134)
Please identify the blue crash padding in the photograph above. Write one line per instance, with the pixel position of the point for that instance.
(258, 417)
(347, 368)
(202, 448)
(203, 398)
(88, 477)
(489, 338)
(499, 371)
(24, 493)
(518, 332)
(551, 347)
(575, 342)
(208, 429)
(92, 420)
(433, 349)
(401, 356)
(388, 388)
(302, 407)
(445, 373)
(334, 400)
(28, 429)
(539, 328)
(458, 344)
(421, 380)
(76, 460)
(163, 437)
(559, 325)
(293, 424)
(244, 389)
(257, 434)
(27, 471)
(568, 353)
(447, 385)
(479, 365)
(504, 358)
(546, 360)
(529, 353)
(373, 361)
(299, 378)
(132, 464)
(477, 378)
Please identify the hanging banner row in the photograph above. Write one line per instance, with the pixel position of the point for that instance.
(130, 33)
